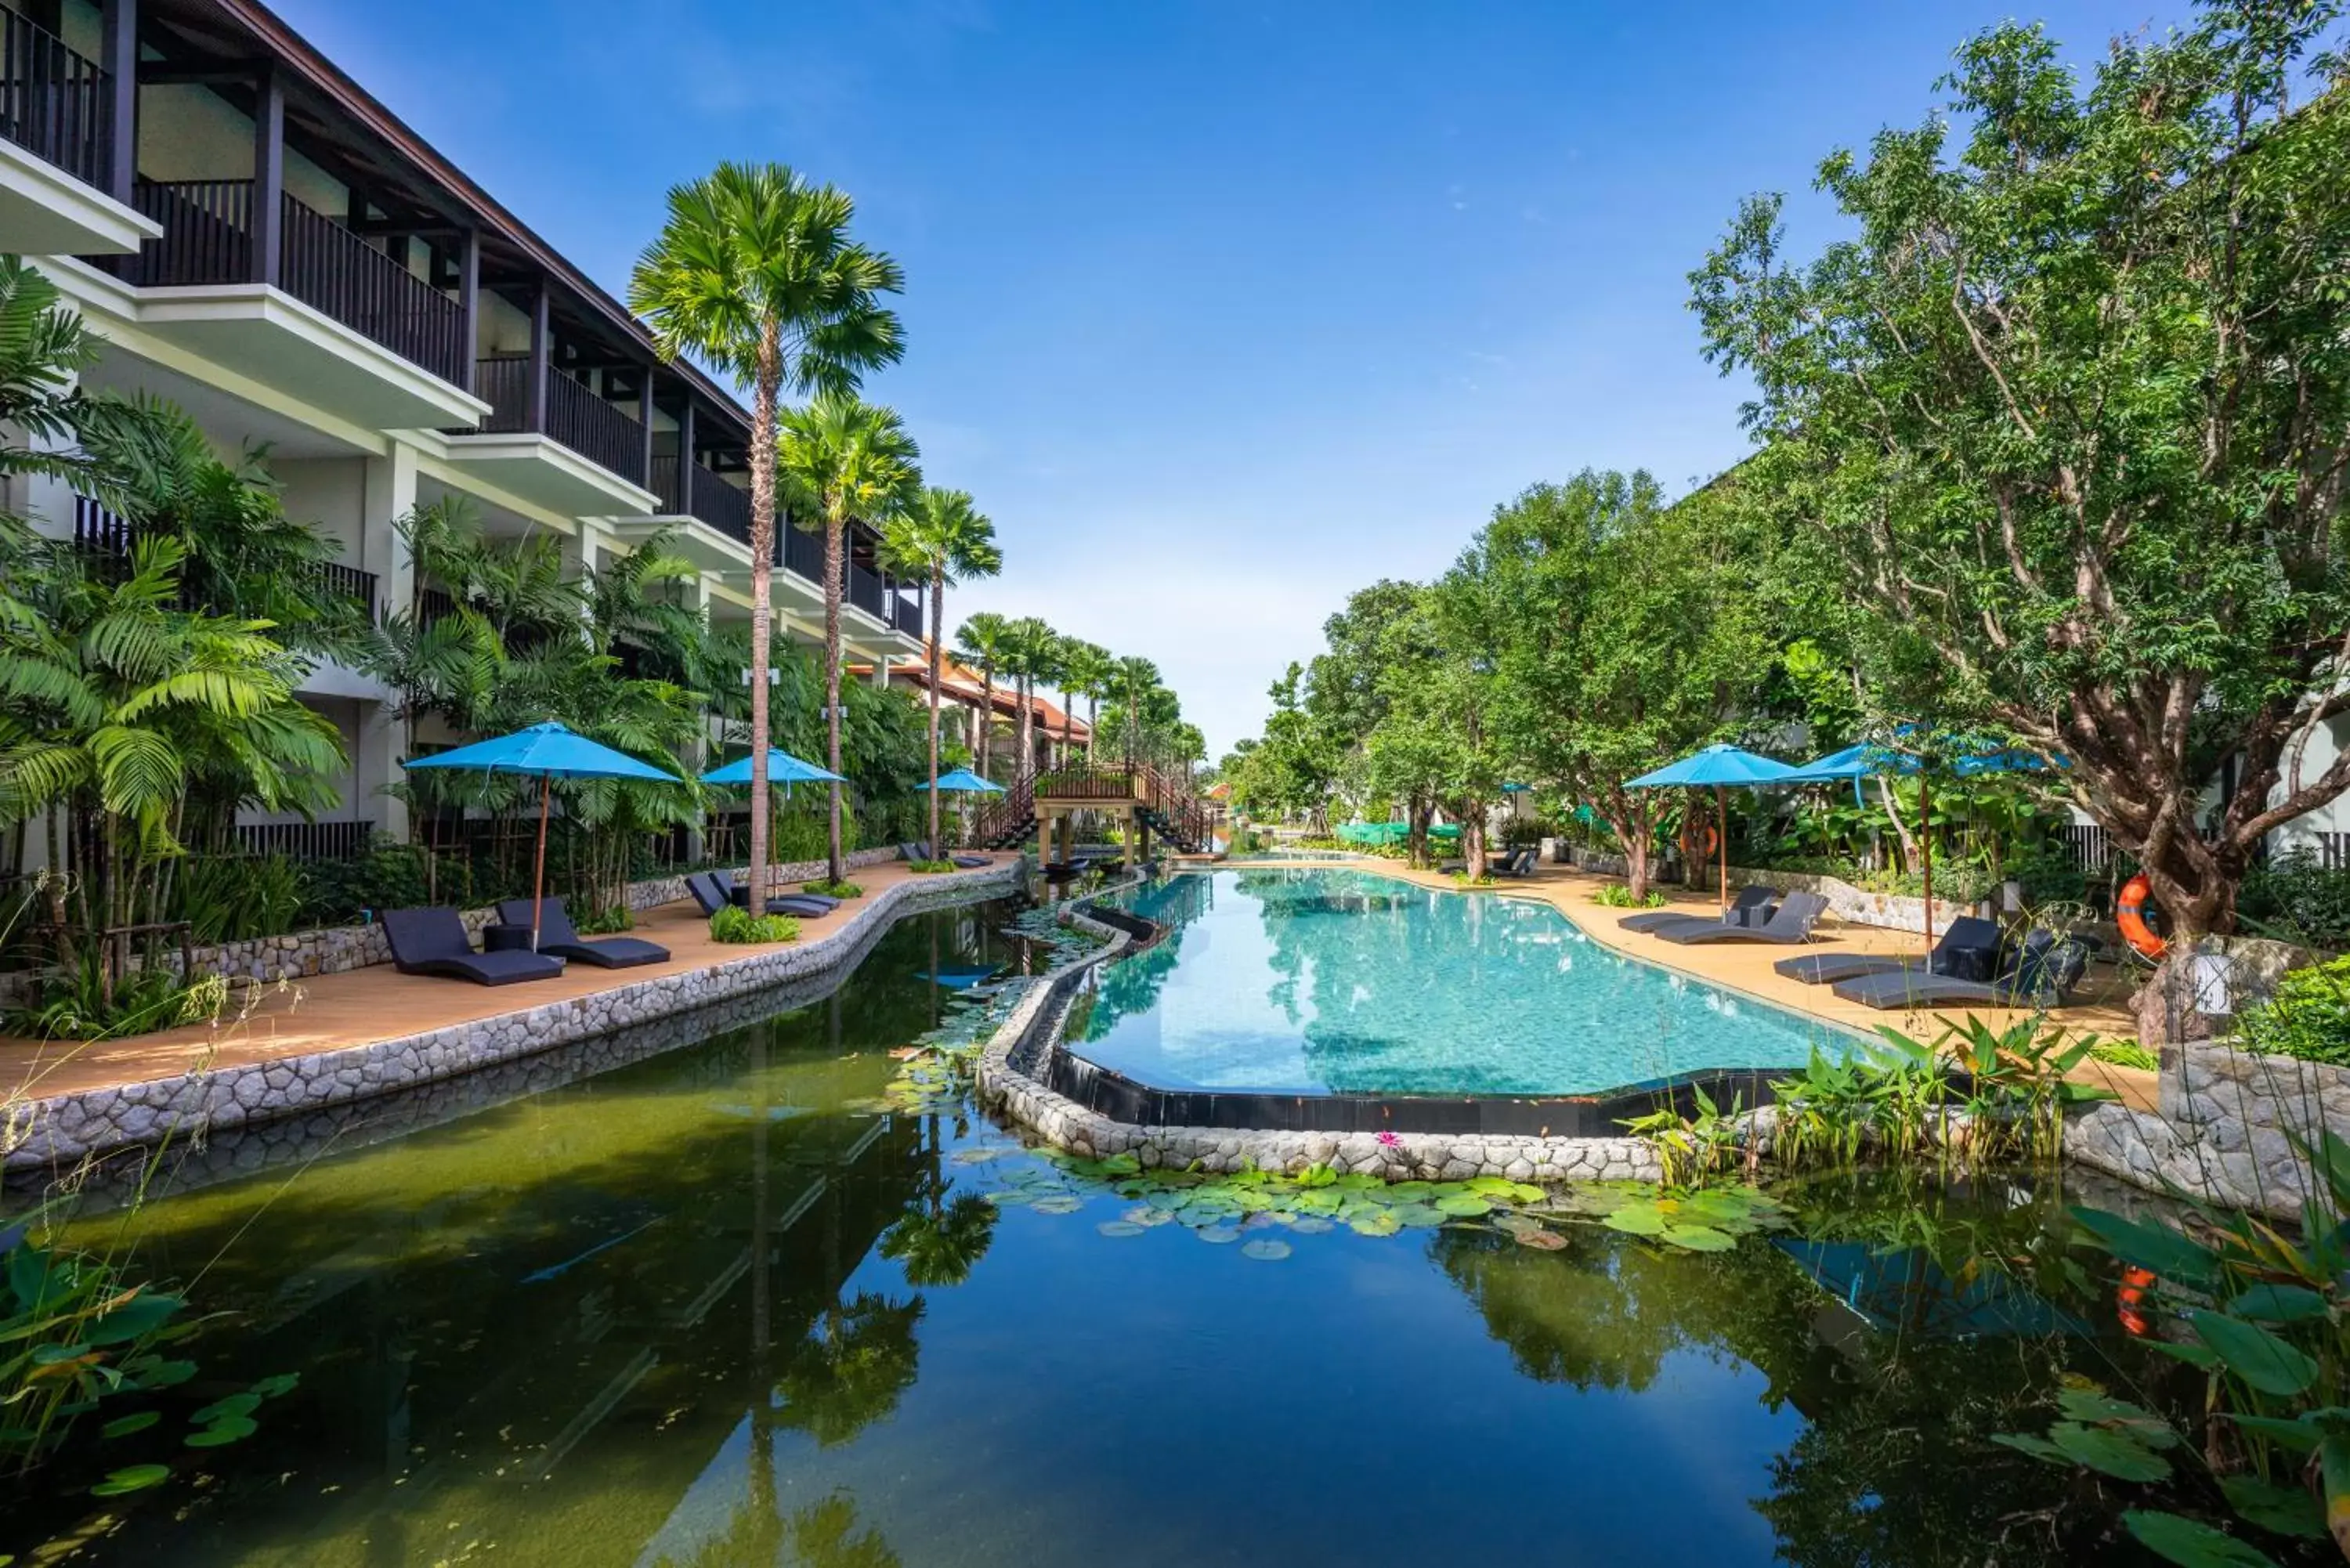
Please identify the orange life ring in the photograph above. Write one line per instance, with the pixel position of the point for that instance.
(1699, 839)
(2129, 914)
(2130, 1300)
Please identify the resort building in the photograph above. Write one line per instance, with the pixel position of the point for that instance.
(260, 242)
(1056, 737)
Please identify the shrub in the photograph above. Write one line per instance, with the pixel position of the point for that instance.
(2298, 900)
(2126, 1053)
(2309, 1016)
(735, 924)
(73, 1004)
(1616, 896)
(931, 867)
(1462, 879)
(231, 897)
(603, 923)
(844, 889)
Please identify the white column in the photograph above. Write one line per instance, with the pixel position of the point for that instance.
(881, 669)
(390, 493)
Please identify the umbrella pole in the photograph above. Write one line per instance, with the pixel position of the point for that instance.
(1926, 852)
(539, 875)
(1722, 841)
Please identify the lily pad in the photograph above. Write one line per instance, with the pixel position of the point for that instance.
(1010, 1197)
(130, 1479)
(2190, 1544)
(221, 1433)
(1636, 1219)
(1464, 1206)
(2287, 1510)
(1059, 1205)
(1143, 1216)
(1266, 1249)
(123, 1426)
(1699, 1239)
(1218, 1234)
(1381, 1223)
(1119, 1227)
(1541, 1239)
(1417, 1216)
(1312, 1225)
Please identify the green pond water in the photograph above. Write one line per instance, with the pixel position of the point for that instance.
(726, 1306)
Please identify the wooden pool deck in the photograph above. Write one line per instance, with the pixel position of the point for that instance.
(360, 1007)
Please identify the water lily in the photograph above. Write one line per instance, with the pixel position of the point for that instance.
(1389, 1140)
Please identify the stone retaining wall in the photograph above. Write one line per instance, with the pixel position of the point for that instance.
(2225, 1130)
(54, 1132)
(1011, 1081)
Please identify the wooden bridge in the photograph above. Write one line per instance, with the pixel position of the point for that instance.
(1144, 796)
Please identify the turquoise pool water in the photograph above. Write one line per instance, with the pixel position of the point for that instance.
(1334, 981)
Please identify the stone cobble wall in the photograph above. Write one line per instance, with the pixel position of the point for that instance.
(54, 1133)
(2226, 1127)
(1011, 1082)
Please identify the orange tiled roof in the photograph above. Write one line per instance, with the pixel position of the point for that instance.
(960, 682)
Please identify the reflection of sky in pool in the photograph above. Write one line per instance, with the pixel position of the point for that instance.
(1347, 982)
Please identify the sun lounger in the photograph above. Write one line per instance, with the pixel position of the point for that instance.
(1520, 863)
(714, 890)
(966, 861)
(1750, 906)
(433, 942)
(1967, 949)
(2043, 975)
(559, 938)
(1790, 923)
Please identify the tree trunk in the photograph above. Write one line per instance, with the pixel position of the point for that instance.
(1416, 812)
(1092, 725)
(836, 531)
(1472, 840)
(938, 616)
(769, 382)
(1023, 728)
(986, 714)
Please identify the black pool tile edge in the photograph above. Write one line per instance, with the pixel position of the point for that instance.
(1112, 1094)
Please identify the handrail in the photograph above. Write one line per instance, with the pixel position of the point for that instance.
(53, 102)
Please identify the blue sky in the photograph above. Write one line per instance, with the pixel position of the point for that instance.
(1220, 310)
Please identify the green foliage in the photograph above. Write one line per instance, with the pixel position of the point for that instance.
(2046, 417)
(1619, 895)
(735, 924)
(232, 897)
(1691, 1148)
(82, 1001)
(2126, 1053)
(2298, 900)
(2309, 1016)
(841, 888)
(931, 867)
(74, 1335)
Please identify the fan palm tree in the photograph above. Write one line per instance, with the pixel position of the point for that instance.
(1085, 669)
(756, 272)
(1132, 683)
(1030, 648)
(981, 641)
(944, 538)
(841, 460)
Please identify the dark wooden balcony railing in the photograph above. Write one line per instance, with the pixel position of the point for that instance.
(906, 613)
(208, 239)
(605, 435)
(53, 102)
(865, 592)
(306, 840)
(801, 551)
(105, 538)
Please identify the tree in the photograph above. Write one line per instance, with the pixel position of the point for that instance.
(1132, 682)
(981, 641)
(1030, 648)
(1087, 669)
(842, 459)
(944, 538)
(1634, 639)
(2071, 409)
(755, 271)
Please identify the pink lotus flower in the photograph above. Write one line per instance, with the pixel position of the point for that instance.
(1389, 1140)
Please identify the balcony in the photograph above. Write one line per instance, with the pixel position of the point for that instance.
(865, 592)
(906, 614)
(714, 501)
(340, 324)
(104, 539)
(57, 149)
(585, 457)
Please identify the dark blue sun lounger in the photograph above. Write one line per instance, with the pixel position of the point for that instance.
(1752, 905)
(1969, 950)
(558, 937)
(433, 942)
(2042, 975)
(1790, 923)
(718, 887)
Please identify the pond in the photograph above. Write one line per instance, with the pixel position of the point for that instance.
(738, 1305)
(1315, 982)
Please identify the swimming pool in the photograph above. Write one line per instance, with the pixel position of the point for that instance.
(1323, 981)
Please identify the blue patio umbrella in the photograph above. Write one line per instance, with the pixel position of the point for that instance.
(545, 753)
(965, 781)
(1721, 767)
(1896, 759)
(782, 768)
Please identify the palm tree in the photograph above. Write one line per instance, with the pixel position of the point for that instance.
(981, 641)
(843, 459)
(755, 271)
(1132, 682)
(947, 539)
(1028, 654)
(1086, 671)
